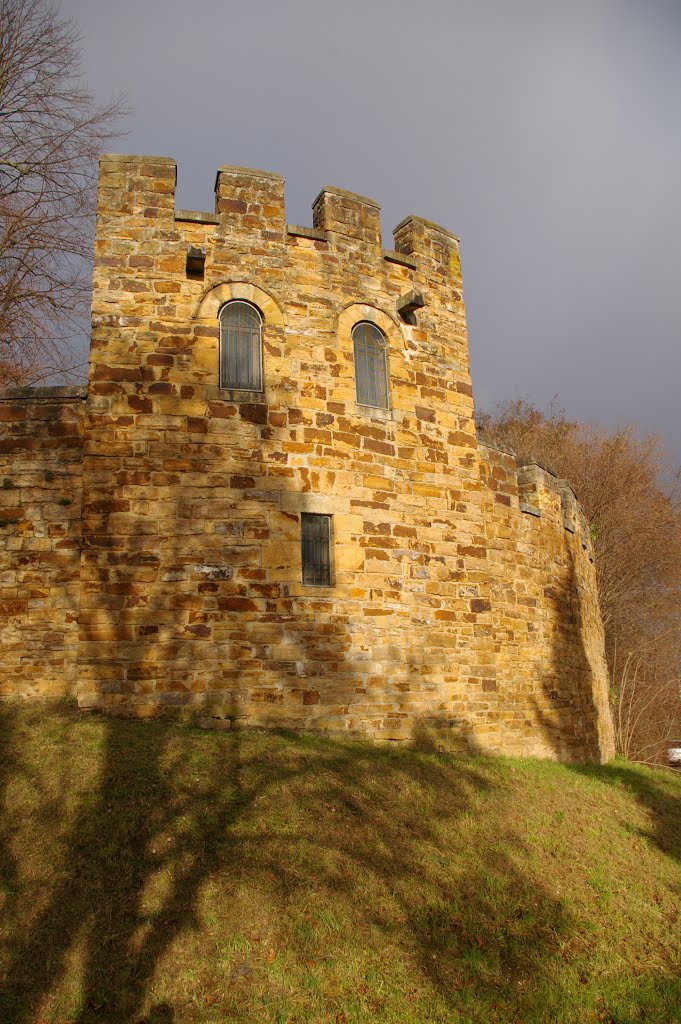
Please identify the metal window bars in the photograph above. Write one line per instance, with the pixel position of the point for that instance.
(315, 534)
(240, 347)
(371, 367)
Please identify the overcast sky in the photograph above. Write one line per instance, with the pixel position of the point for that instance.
(545, 133)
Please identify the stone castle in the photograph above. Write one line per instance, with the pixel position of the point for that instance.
(270, 504)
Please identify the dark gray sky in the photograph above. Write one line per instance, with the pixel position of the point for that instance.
(546, 133)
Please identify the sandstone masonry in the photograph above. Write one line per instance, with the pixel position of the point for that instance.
(150, 526)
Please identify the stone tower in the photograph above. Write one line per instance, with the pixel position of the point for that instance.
(287, 518)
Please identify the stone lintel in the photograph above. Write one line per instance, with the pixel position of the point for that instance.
(306, 501)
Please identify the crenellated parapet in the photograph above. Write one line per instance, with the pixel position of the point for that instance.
(251, 202)
(340, 213)
(287, 518)
(542, 493)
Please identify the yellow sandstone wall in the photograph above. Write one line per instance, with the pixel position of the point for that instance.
(454, 618)
(551, 676)
(41, 446)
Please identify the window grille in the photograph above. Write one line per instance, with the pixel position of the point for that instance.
(316, 549)
(371, 368)
(240, 347)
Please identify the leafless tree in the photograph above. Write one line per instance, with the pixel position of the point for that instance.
(51, 132)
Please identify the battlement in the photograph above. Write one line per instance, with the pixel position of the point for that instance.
(543, 492)
(250, 200)
(540, 493)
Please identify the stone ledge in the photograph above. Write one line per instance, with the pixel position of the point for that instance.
(302, 232)
(246, 172)
(532, 460)
(239, 395)
(530, 510)
(254, 172)
(306, 501)
(197, 216)
(135, 158)
(567, 486)
(399, 257)
(496, 446)
(43, 394)
(410, 302)
(429, 224)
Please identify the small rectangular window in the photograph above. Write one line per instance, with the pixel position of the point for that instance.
(316, 549)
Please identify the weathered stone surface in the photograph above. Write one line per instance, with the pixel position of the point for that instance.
(40, 528)
(454, 618)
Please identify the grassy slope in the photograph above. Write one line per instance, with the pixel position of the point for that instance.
(150, 872)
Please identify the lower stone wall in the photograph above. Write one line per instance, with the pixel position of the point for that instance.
(551, 673)
(41, 449)
(410, 644)
(192, 599)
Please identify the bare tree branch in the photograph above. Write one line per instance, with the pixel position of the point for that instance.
(51, 132)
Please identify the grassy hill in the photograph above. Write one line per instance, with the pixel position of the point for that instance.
(162, 874)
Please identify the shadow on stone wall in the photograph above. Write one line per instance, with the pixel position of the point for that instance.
(570, 728)
(156, 808)
(195, 810)
(169, 803)
(228, 649)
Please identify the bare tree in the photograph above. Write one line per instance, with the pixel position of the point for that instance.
(647, 695)
(51, 132)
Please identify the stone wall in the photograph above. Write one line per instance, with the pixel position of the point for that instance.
(41, 447)
(454, 617)
(551, 680)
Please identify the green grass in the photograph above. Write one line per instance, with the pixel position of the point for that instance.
(153, 873)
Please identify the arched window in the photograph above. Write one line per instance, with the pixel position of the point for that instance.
(371, 368)
(240, 347)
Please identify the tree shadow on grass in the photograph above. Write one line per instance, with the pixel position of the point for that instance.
(9, 768)
(298, 822)
(159, 844)
(658, 793)
(569, 687)
(125, 831)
